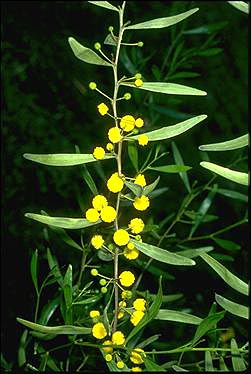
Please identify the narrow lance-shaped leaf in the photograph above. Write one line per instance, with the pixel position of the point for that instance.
(53, 265)
(135, 188)
(167, 88)
(228, 145)
(86, 54)
(227, 244)
(162, 255)
(179, 161)
(240, 5)
(133, 154)
(150, 187)
(174, 130)
(159, 23)
(231, 279)
(195, 252)
(232, 307)
(208, 362)
(152, 366)
(33, 267)
(170, 168)
(66, 223)
(57, 330)
(207, 324)
(63, 159)
(104, 4)
(232, 194)
(67, 289)
(234, 176)
(237, 360)
(175, 316)
(87, 176)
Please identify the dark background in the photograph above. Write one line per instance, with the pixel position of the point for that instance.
(48, 108)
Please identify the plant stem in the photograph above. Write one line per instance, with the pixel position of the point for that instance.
(190, 349)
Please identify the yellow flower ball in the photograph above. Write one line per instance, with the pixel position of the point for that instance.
(121, 237)
(136, 225)
(136, 317)
(126, 278)
(97, 241)
(118, 338)
(92, 215)
(140, 180)
(99, 202)
(138, 82)
(107, 349)
(140, 304)
(130, 246)
(109, 147)
(94, 313)
(99, 153)
(131, 254)
(143, 139)
(115, 183)
(103, 109)
(127, 123)
(136, 368)
(120, 364)
(137, 355)
(108, 357)
(99, 331)
(108, 214)
(114, 135)
(139, 122)
(141, 203)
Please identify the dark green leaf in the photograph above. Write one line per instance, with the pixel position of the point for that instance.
(207, 324)
(195, 252)
(227, 244)
(89, 180)
(152, 366)
(57, 330)
(237, 360)
(53, 265)
(86, 54)
(33, 268)
(178, 368)
(148, 341)
(232, 307)
(104, 4)
(234, 176)
(110, 40)
(233, 194)
(63, 159)
(184, 74)
(206, 29)
(67, 289)
(157, 192)
(179, 161)
(133, 155)
(48, 310)
(171, 168)
(135, 188)
(228, 145)
(209, 52)
(208, 362)
(175, 316)
(22, 349)
(167, 88)
(104, 255)
(150, 187)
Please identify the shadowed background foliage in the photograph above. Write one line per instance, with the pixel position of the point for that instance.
(48, 108)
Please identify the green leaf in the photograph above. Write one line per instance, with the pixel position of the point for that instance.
(162, 255)
(104, 4)
(89, 180)
(174, 130)
(53, 265)
(48, 310)
(205, 205)
(208, 362)
(179, 161)
(110, 40)
(86, 54)
(240, 5)
(167, 88)
(209, 52)
(171, 168)
(229, 145)
(178, 368)
(223, 366)
(150, 187)
(133, 155)
(149, 315)
(159, 23)
(227, 244)
(232, 307)
(21, 354)
(66, 223)
(63, 159)
(152, 366)
(175, 316)
(33, 268)
(57, 330)
(183, 74)
(195, 252)
(231, 279)
(234, 176)
(158, 192)
(206, 29)
(135, 188)
(237, 360)
(148, 341)
(233, 194)
(207, 324)
(67, 289)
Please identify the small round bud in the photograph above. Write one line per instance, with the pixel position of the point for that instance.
(111, 246)
(103, 290)
(92, 86)
(135, 131)
(94, 272)
(138, 76)
(102, 282)
(120, 364)
(138, 237)
(110, 28)
(97, 46)
(108, 357)
(127, 96)
(140, 44)
(126, 294)
(109, 147)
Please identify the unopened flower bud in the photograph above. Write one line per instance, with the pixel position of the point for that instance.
(110, 28)
(103, 290)
(127, 96)
(138, 76)
(92, 86)
(135, 131)
(140, 44)
(102, 282)
(94, 272)
(97, 46)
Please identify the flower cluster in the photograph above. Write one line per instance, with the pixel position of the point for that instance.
(100, 209)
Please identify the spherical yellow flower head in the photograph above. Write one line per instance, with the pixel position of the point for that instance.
(108, 214)
(136, 368)
(140, 180)
(99, 202)
(115, 183)
(121, 237)
(143, 139)
(99, 331)
(120, 364)
(138, 82)
(141, 203)
(136, 317)
(92, 215)
(94, 313)
(109, 147)
(137, 356)
(108, 357)
(103, 109)
(97, 241)
(127, 123)
(107, 349)
(131, 254)
(118, 338)
(114, 135)
(126, 278)
(139, 122)
(136, 225)
(99, 153)
(140, 305)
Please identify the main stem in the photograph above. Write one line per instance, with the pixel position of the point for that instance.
(114, 107)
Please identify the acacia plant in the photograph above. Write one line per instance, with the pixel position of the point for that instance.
(110, 322)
